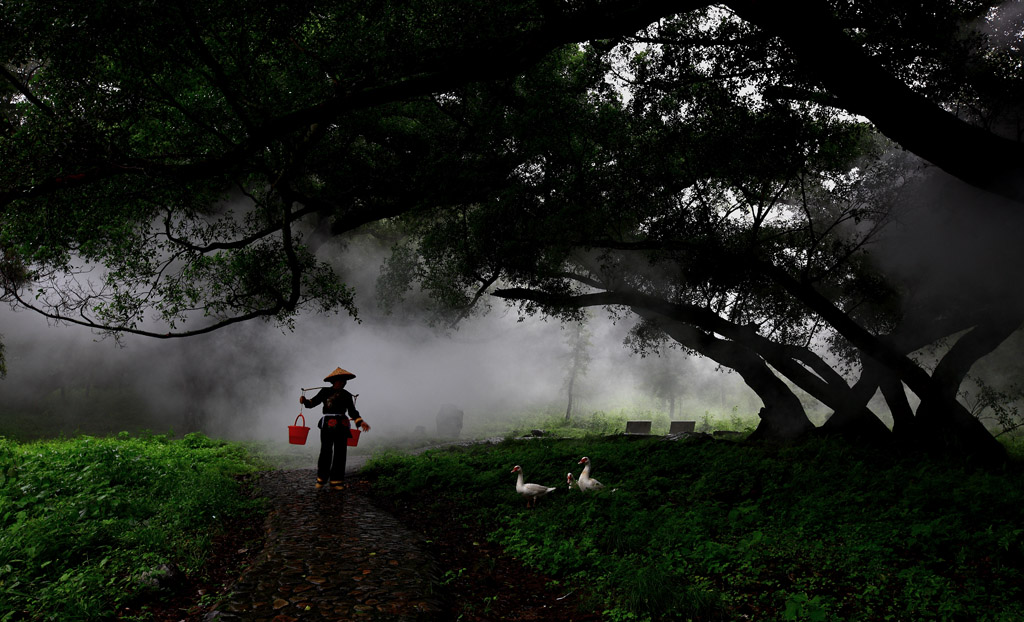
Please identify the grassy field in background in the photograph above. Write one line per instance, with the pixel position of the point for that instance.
(83, 520)
(492, 425)
(721, 530)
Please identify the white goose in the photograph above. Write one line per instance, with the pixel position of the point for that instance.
(571, 480)
(585, 482)
(532, 492)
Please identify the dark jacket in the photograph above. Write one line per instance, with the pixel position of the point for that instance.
(335, 401)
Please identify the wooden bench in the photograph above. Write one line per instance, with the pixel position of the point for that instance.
(638, 427)
(679, 427)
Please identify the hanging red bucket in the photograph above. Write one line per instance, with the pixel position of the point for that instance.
(297, 433)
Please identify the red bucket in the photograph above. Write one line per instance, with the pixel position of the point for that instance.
(297, 433)
(354, 440)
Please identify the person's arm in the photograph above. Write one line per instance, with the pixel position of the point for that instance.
(357, 420)
(316, 401)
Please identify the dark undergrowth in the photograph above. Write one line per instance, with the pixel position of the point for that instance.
(707, 529)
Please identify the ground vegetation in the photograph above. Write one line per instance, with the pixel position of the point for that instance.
(705, 529)
(697, 528)
(112, 528)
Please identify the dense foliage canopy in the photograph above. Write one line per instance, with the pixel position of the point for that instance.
(717, 169)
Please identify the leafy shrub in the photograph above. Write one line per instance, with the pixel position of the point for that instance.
(81, 519)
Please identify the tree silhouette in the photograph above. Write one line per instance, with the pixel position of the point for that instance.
(578, 342)
(171, 170)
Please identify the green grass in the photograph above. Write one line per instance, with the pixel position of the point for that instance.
(718, 530)
(598, 423)
(695, 530)
(81, 519)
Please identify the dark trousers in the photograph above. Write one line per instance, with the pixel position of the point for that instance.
(333, 448)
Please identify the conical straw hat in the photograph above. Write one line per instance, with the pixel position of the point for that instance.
(339, 374)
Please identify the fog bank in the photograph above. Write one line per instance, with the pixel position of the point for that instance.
(243, 382)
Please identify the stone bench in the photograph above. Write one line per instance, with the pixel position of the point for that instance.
(679, 427)
(638, 427)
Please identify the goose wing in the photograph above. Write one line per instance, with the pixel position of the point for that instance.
(533, 490)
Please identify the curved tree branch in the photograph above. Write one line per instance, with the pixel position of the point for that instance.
(29, 95)
(56, 316)
(861, 86)
(800, 365)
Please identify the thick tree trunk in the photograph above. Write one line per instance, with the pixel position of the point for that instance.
(942, 423)
(783, 417)
(949, 428)
(899, 406)
(797, 364)
(852, 418)
(952, 427)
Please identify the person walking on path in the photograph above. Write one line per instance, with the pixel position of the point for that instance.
(339, 409)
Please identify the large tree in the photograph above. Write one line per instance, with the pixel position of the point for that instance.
(195, 158)
(743, 239)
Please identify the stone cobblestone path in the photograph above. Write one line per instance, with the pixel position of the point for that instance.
(331, 555)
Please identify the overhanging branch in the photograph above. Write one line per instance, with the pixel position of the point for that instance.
(823, 383)
(57, 316)
(489, 60)
(862, 86)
